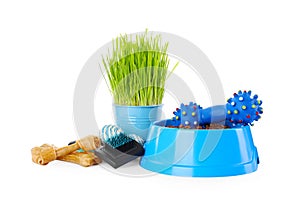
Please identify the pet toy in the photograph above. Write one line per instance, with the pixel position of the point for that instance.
(242, 109)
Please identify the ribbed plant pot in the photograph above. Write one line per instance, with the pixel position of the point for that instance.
(136, 119)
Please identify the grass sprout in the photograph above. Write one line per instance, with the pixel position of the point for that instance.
(137, 69)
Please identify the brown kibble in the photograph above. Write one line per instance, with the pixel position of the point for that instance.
(207, 127)
(199, 127)
(216, 126)
(172, 127)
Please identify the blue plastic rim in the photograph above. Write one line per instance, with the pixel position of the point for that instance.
(136, 119)
(199, 153)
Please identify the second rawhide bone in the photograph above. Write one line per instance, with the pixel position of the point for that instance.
(84, 159)
(44, 155)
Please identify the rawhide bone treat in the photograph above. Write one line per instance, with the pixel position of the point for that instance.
(45, 154)
(84, 159)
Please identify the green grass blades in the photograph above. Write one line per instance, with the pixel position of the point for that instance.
(137, 69)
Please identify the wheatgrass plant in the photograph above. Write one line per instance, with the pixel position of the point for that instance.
(137, 69)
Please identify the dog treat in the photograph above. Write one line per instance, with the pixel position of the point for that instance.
(84, 159)
(44, 154)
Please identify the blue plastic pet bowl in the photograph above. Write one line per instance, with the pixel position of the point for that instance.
(199, 153)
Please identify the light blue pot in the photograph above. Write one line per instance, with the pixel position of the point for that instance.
(136, 119)
(199, 153)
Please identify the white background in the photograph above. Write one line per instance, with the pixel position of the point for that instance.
(43, 46)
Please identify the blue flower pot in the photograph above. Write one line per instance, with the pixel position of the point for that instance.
(199, 153)
(136, 119)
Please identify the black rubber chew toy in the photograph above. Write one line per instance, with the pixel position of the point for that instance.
(117, 148)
